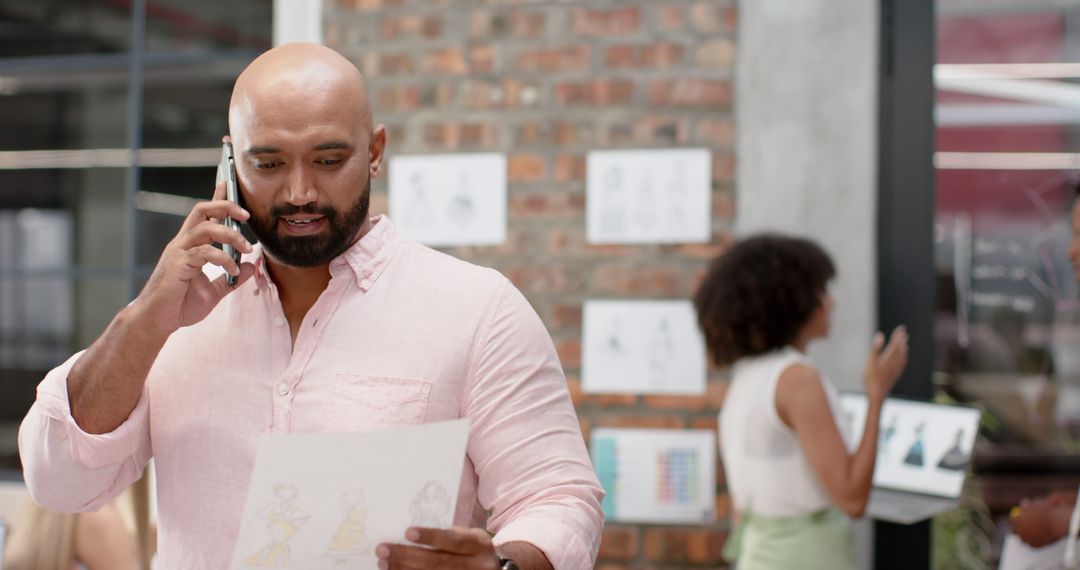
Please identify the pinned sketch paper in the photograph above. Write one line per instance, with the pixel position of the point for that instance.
(656, 475)
(642, 347)
(449, 199)
(649, 196)
(328, 500)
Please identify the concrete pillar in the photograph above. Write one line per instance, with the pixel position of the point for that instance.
(806, 116)
(806, 146)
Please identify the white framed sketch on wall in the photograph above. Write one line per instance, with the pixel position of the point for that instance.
(452, 199)
(649, 196)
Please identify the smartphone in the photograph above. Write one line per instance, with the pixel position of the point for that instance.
(227, 172)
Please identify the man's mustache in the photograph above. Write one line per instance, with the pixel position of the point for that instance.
(290, 209)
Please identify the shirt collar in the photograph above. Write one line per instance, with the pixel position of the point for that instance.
(366, 259)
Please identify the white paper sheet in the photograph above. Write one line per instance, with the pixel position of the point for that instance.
(642, 347)
(649, 196)
(1015, 555)
(656, 475)
(326, 501)
(453, 199)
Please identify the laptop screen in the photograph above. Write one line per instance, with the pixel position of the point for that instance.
(922, 447)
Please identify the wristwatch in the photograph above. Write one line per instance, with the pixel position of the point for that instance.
(507, 564)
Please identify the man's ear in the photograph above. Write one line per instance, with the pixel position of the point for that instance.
(376, 151)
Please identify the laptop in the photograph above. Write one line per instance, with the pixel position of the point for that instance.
(924, 450)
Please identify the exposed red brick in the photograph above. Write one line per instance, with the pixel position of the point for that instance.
(483, 58)
(636, 280)
(639, 420)
(410, 25)
(723, 505)
(595, 92)
(688, 403)
(569, 353)
(545, 279)
(711, 16)
(710, 422)
(661, 54)
(573, 385)
(695, 545)
(619, 542)
(526, 168)
(507, 93)
(566, 315)
(690, 92)
(482, 134)
(546, 205)
(715, 132)
(716, 54)
(669, 18)
(723, 168)
(554, 59)
(611, 400)
(724, 206)
(570, 168)
(447, 61)
(613, 22)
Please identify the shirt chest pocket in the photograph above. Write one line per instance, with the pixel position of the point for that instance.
(367, 401)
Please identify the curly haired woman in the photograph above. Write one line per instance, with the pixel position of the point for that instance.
(791, 478)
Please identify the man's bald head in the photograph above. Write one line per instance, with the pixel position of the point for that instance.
(297, 85)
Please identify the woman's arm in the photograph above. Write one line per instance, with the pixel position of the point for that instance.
(803, 405)
(103, 542)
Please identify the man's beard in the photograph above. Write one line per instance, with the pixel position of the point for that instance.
(314, 250)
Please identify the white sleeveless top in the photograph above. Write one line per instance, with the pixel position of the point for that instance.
(767, 472)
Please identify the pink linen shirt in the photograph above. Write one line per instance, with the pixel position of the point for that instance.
(402, 334)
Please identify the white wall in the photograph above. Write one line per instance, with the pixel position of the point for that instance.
(298, 21)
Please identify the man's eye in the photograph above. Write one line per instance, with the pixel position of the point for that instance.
(267, 165)
(328, 162)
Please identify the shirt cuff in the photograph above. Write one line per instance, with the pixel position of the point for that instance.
(92, 450)
(563, 547)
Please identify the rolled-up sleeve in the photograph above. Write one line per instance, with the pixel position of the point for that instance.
(69, 470)
(534, 471)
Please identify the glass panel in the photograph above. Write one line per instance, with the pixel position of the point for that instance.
(58, 108)
(54, 27)
(93, 198)
(167, 198)
(207, 25)
(186, 103)
(1008, 318)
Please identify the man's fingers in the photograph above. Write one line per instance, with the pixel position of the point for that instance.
(403, 556)
(219, 191)
(196, 257)
(209, 232)
(214, 210)
(457, 540)
(222, 288)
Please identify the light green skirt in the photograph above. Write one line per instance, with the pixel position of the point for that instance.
(823, 540)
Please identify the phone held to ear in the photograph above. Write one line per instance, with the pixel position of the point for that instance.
(227, 172)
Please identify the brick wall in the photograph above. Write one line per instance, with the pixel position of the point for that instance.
(545, 82)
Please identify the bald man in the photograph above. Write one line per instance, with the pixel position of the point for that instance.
(335, 324)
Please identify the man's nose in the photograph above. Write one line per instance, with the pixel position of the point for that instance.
(301, 187)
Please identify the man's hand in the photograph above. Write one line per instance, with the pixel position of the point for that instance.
(1039, 522)
(178, 293)
(455, 548)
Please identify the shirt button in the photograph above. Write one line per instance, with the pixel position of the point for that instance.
(283, 390)
(279, 321)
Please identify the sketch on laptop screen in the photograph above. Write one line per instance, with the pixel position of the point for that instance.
(922, 447)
